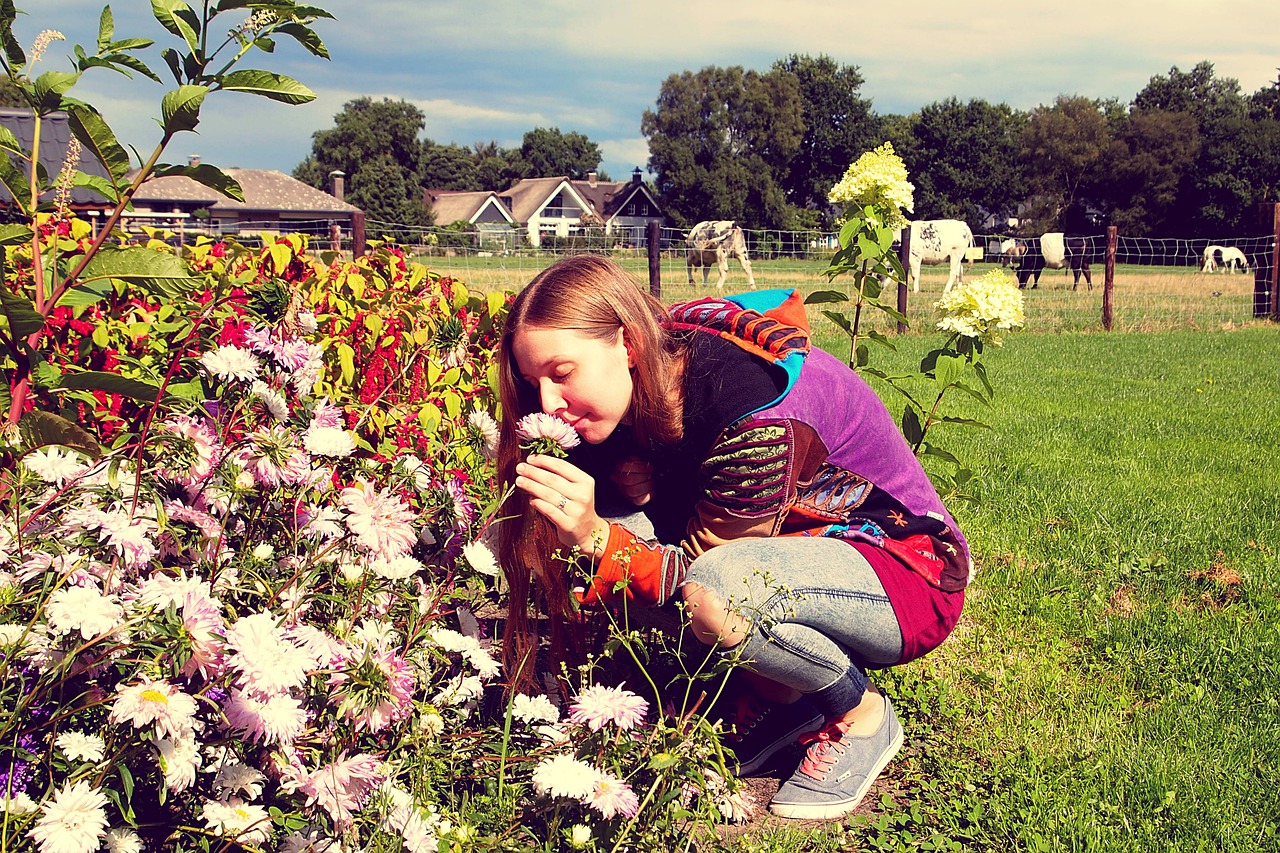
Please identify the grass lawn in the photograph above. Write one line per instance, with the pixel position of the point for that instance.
(1113, 683)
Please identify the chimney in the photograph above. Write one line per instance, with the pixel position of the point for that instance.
(591, 179)
(193, 160)
(339, 183)
(635, 176)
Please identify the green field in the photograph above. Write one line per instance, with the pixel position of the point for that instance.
(1145, 298)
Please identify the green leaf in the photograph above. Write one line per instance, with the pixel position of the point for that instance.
(211, 176)
(819, 297)
(112, 383)
(840, 320)
(95, 134)
(892, 312)
(912, 429)
(178, 18)
(13, 234)
(951, 419)
(12, 50)
(20, 315)
(133, 63)
(882, 340)
(40, 429)
(98, 184)
(86, 293)
(947, 370)
(277, 87)
(181, 108)
(8, 141)
(306, 37)
(174, 61)
(930, 450)
(159, 271)
(106, 29)
(49, 88)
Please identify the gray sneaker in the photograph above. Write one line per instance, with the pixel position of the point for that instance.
(838, 769)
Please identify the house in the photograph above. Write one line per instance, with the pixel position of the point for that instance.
(273, 203)
(484, 212)
(55, 137)
(561, 207)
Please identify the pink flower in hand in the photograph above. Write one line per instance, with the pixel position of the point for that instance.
(546, 434)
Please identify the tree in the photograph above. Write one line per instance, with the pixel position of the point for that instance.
(1062, 147)
(376, 144)
(720, 142)
(1148, 170)
(549, 153)
(449, 167)
(964, 159)
(838, 127)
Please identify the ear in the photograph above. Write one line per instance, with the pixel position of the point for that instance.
(631, 353)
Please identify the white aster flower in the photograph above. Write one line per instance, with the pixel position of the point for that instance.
(264, 551)
(74, 821)
(83, 609)
(159, 702)
(235, 819)
(534, 709)
(481, 558)
(265, 658)
(229, 363)
(487, 429)
(580, 835)
(459, 691)
(179, 759)
(275, 402)
(237, 778)
(17, 803)
(123, 840)
(329, 441)
(431, 724)
(565, 776)
(54, 465)
(79, 746)
(396, 568)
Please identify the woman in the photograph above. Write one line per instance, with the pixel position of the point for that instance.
(790, 516)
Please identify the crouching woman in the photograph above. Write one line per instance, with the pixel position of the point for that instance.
(789, 514)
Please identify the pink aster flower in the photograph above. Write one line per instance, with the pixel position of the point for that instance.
(275, 457)
(155, 702)
(598, 705)
(277, 719)
(204, 446)
(381, 522)
(264, 656)
(612, 796)
(375, 691)
(342, 787)
(542, 433)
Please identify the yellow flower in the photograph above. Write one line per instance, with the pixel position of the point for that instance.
(983, 308)
(877, 178)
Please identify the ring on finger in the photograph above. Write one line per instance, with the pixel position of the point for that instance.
(563, 502)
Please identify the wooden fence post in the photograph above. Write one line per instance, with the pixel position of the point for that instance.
(904, 254)
(655, 257)
(1274, 282)
(1109, 277)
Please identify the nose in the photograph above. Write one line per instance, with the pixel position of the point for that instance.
(552, 400)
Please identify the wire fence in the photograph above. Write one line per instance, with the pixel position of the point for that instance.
(1159, 283)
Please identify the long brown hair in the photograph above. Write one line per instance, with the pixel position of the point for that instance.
(592, 295)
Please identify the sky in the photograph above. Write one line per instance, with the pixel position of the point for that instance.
(490, 70)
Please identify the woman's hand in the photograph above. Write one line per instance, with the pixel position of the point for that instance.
(634, 478)
(566, 495)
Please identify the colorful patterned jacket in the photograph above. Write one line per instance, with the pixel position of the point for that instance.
(780, 439)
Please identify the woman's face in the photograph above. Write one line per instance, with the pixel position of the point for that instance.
(582, 380)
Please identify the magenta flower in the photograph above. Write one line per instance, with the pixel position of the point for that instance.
(546, 434)
(342, 787)
(598, 705)
(612, 796)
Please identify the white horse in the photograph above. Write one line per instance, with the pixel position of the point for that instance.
(1208, 261)
(1233, 260)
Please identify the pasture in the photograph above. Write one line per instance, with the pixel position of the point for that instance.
(1111, 686)
(1146, 298)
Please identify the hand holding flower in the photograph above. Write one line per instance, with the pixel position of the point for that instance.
(566, 495)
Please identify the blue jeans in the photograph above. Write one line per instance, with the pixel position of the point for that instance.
(819, 614)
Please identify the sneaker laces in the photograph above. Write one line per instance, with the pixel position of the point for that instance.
(747, 714)
(825, 748)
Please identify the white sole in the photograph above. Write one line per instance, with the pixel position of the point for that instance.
(820, 811)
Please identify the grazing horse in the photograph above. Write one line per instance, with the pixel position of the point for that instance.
(714, 242)
(1209, 260)
(1055, 251)
(1233, 260)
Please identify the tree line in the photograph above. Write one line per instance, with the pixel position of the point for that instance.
(1190, 155)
